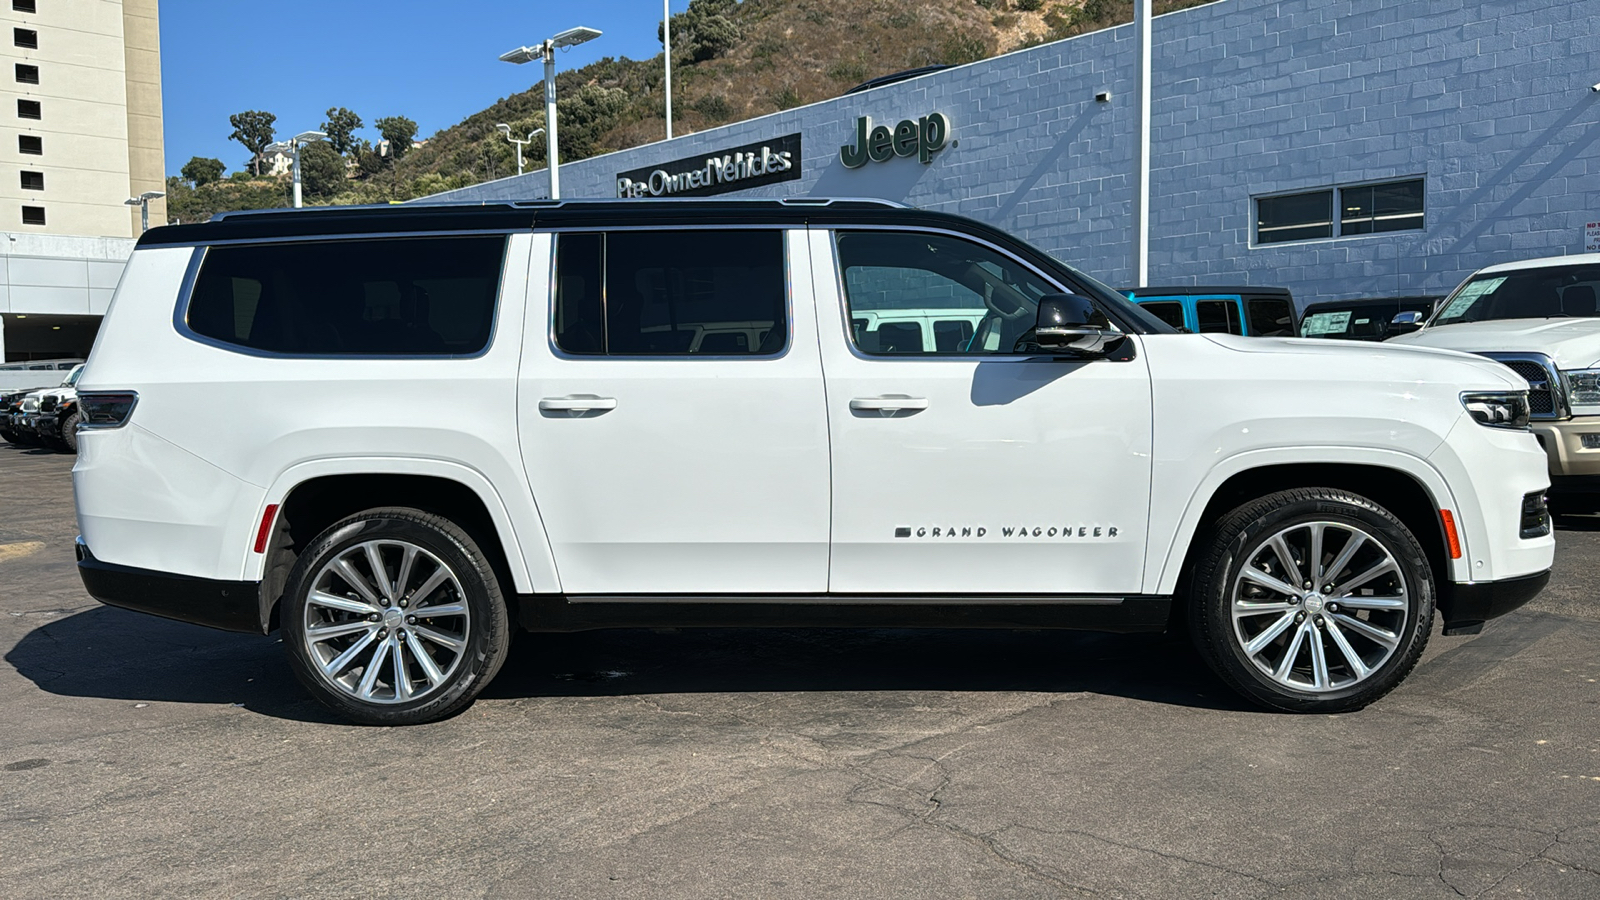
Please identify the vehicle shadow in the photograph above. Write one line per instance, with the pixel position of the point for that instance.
(114, 654)
(1571, 522)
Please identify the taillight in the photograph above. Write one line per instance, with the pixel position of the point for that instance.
(106, 409)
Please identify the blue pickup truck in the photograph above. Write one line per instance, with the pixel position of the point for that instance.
(1262, 311)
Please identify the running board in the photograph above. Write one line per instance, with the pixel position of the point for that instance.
(583, 612)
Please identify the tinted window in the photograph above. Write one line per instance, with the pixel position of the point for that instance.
(1168, 311)
(894, 281)
(1217, 316)
(406, 296)
(1370, 208)
(655, 293)
(1270, 317)
(1297, 217)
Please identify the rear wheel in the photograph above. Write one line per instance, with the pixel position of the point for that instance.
(394, 617)
(1312, 600)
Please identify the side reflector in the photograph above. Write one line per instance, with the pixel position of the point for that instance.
(1451, 538)
(272, 513)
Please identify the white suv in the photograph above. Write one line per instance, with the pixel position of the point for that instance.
(1539, 317)
(544, 418)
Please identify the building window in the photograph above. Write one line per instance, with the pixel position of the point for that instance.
(33, 181)
(1372, 208)
(25, 38)
(1295, 217)
(28, 109)
(31, 144)
(27, 74)
(33, 215)
(28, 6)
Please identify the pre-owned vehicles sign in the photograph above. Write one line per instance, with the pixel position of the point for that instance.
(753, 165)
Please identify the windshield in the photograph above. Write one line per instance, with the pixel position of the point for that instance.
(72, 379)
(1549, 292)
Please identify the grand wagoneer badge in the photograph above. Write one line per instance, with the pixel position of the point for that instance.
(1006, 531)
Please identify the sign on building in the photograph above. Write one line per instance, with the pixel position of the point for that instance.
(753, 165)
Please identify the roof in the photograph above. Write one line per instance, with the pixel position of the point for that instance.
(333, 221)
(1576, 259)
(1189, 290)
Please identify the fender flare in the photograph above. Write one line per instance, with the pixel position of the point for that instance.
(522, 538)
(1164, 565)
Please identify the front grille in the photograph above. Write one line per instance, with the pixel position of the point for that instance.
(1544, 399)
(47, 404)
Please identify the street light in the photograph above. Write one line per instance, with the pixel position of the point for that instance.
(506, 130)
(546, 51)
(292, 147)
(143, 202)
(666, 40)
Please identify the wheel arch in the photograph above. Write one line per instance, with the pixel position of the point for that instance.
(1406, 486)
(310, 497)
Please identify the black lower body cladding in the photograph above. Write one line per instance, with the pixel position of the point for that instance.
(228, 605)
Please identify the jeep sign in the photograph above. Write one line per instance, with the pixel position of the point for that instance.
(921, 138)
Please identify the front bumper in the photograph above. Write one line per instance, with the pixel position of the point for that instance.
(1563, 445)
(228, 605)
(1465, 607)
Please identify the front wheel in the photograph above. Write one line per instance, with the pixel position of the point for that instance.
(394, 617)
(69, 432)
(1312, 600)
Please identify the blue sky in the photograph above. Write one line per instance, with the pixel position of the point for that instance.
(435, 62)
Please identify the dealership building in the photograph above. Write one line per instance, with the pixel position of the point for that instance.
(1341, 148)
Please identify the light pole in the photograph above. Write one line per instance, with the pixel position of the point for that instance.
(292, 147)
(546, 51)
(506, 130)
(666, 39)
(143, 202)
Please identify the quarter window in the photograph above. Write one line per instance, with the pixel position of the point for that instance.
(1168, 311)
(913, 293)
(1270, 317)
(687, 293)
(397, 297)
(1217, 317)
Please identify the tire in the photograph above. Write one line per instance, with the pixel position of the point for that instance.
(1316, 651)
(69, 433)
(343, 637)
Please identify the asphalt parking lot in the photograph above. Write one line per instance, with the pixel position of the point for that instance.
(146, 758)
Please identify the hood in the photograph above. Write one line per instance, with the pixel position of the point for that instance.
(1348, 357)
(1572, 343)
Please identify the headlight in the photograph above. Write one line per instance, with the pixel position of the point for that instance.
(1498, 409)
(1583, 391)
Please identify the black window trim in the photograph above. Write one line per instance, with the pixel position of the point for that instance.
(935, 355)
(1335, 212)
(783, 230)
(180, 313)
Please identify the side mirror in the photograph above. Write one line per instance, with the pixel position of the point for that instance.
(1073, 324)
(1406, 322)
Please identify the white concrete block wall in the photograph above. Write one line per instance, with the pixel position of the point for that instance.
(1489, 101)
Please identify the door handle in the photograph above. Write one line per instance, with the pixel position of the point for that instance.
(889, 403)
(577, 404)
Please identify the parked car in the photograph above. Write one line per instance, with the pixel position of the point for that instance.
(1538, 317)
(1365, 319)
(1302, 509)
(1262, 312)
(57, 423)
(22, 377)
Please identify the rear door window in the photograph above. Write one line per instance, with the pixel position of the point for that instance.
(1218, 316)
(671, 293)
(431, 296)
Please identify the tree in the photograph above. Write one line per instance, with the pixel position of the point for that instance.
(321, 170)
(340, 128)
(201, 171)
(254, 130)
(399, 131)
(704, 31)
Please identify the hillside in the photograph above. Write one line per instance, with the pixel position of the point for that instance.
(732, 60)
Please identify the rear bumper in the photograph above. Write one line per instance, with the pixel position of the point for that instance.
(1466, 607)
(228, 605)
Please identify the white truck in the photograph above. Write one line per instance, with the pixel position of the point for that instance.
(420, 425)
(1540, 318)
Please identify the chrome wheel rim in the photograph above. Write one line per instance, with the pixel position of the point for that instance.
(1320, 606)
(386, 622)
